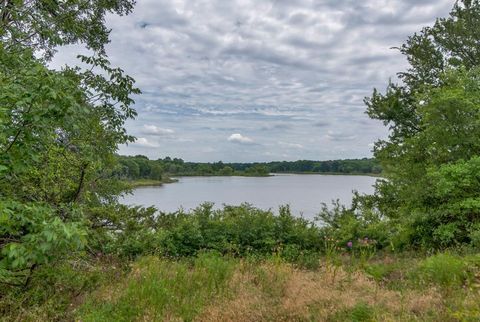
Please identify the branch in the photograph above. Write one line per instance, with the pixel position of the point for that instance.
(24, 124)
(80, 184)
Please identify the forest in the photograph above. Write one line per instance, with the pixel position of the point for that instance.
(140, 167)
(70, 251)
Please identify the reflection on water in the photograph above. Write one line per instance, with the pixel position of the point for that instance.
(304, 193)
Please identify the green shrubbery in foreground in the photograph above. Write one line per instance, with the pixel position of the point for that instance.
(236, 231)
(198, 265)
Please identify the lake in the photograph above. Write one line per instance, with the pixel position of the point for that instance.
(303, 192)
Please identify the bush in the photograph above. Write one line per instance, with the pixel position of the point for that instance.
(474, 236)
(344, 225)
(55, 289)
(239, 231)
(122, 230)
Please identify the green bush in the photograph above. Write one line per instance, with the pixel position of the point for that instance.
(242, 231)
(344, 225)
(239, 231)
(474, 236)
(122, 230)
(54, 289)
(32, 234)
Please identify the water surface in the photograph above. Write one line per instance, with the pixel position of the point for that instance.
(304, 193)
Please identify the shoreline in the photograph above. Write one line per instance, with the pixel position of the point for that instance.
(155, 183)
(149, 182)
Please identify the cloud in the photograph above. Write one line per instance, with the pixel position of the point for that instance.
(291, 145)
(238, 138)
(341, 136)
(321, 124)
(282, 70)
(144, 142)
(275, 127)
(154, 130)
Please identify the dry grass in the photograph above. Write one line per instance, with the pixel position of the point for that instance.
(273, 290)
(314, 296)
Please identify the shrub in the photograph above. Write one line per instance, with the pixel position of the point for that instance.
(239, 231)
(474, 236)
(344, 225)
(56, 288)
(122, 230)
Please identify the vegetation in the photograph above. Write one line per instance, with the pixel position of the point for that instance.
(251, 290)
(430, 194)
(140, 167)
(70, 251)
(210, 287)
(59, 131)
(149, 182)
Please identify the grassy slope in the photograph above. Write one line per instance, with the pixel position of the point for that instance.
(212, 288)
(149, 182)
(215, 289)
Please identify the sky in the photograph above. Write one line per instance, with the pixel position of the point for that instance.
(260, 80)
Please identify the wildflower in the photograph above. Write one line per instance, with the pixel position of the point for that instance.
(349, 244)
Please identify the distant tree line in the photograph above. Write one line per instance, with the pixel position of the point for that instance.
(140, 167)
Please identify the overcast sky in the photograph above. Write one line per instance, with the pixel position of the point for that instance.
(258, 80)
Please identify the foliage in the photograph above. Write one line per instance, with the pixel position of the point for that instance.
(56, 288)
(138, 167)
(44, 25)
(239, 231)
(59, 129)
(122, 230)
(430, 192)
(34, 235)
(353, 224)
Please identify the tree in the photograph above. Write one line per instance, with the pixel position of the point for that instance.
(156, 171)
(226, 171)
(59, 129)
(434, 122)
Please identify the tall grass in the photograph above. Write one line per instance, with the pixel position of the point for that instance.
(158, 290)
(213, 287)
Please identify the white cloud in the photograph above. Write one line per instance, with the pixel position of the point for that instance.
(155, 130)
(282, 70)
(144, 142)
(291, 145)
(238, 138)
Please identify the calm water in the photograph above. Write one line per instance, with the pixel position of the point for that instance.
(304, 193)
